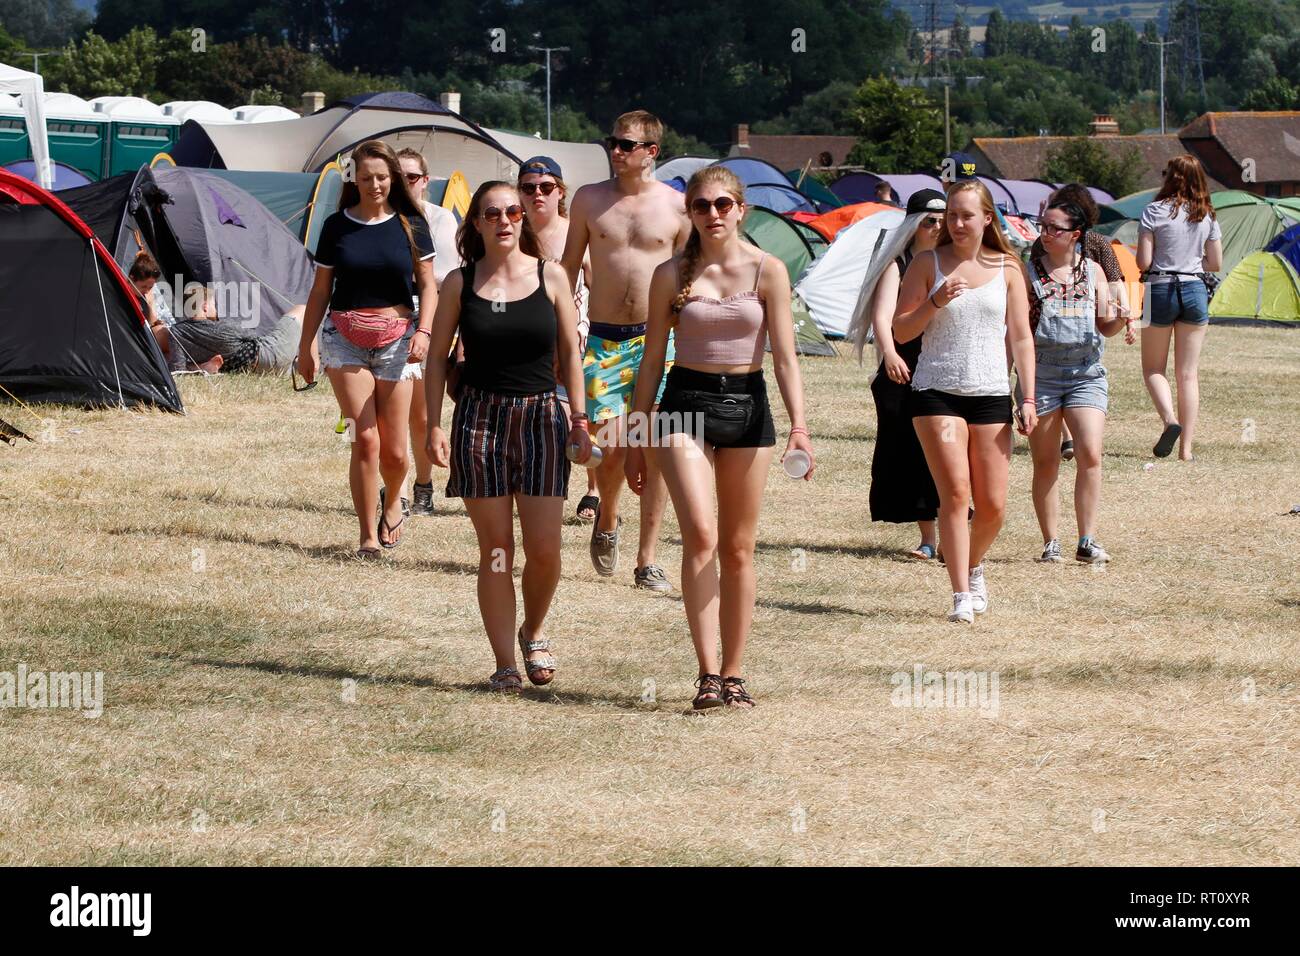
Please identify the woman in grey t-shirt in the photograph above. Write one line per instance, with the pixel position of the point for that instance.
(1178, 239)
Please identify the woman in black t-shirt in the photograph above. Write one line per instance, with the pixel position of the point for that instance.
(372, 255)
(508, 439)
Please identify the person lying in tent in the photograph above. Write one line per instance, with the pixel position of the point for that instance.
(206, 344)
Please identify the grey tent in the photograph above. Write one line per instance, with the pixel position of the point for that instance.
(207, 230)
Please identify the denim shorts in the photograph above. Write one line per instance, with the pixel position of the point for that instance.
(1082, 386)
(388, 364)
(1176, 300)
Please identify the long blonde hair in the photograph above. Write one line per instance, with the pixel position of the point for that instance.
(690, 254)
(993, 237)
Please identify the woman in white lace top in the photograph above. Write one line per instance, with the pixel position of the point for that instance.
(968, 298)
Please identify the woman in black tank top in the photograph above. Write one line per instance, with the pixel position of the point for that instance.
(506, 448)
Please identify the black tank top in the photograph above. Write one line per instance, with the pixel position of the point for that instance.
(509, 349)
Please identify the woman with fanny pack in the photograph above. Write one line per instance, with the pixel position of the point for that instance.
(1071, 313)
(723, 299)
(1179, 241)
(515, 314)
(372, 256)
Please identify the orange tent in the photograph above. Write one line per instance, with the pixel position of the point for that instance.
(1132, 276)
(830, 223)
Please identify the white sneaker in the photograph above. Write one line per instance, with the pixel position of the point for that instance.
(979, 590)
(962, 609)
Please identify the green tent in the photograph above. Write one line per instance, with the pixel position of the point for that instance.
(781, 236)
(1126, 207)
(1262, 287)
(808, 339)
(1248, 222)
(814, 189)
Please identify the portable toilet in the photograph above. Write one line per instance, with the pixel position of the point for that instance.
(78, 135)
(202, 110)
(138, 131)
(264, 114)
(13, 130)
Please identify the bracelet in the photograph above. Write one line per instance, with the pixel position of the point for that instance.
(1028, 400)
(799, 431)
(579, 416)
(425, 331)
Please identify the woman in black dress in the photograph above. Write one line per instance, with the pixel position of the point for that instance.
(901, 487)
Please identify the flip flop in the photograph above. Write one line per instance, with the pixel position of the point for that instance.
(367, 554)
(923, 552)
(1168, 438)
(390, 544)
(590, 503)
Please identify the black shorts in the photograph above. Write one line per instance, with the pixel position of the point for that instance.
(975, 409)
(677, 413)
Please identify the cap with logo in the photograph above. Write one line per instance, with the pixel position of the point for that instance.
(542, 165)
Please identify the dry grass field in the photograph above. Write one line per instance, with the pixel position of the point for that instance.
(270, 701)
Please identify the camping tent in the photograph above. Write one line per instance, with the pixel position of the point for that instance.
(790, 242)
(65, 176)
(1287, 245)
(1263, 287)
(31, 88)
(814, 189)
(829, 224)
(677, 171)
(765, 185)
(1250, 222)
(1126, 207)
(830, 287)
(71, 328)
(448, 141)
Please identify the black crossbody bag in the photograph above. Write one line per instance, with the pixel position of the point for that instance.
(727, 415)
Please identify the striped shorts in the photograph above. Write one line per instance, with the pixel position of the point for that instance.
(508, 445)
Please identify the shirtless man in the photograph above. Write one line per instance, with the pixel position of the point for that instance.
(630, 224)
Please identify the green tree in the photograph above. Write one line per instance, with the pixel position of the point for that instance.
(995, 34)
(959, 37)
(1273, 94)
(824, 113)
(95, 67)
(1084, 160)
(899, 129)
(42, 24)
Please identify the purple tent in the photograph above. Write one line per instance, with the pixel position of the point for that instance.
(856, 187)
(65, 176)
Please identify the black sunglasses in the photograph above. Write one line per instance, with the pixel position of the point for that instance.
(702, 206)
(414, 178)
(545, 189)
(493, 214)
(932, 221)
(625, 145)
(293, 378)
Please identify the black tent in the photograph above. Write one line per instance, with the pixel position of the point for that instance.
(71, 327)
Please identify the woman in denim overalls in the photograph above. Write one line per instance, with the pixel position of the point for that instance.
(1071, 313)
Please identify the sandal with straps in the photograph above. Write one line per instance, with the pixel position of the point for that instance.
(710, 692)
(547, 663)
(506, 681)
(735, 695)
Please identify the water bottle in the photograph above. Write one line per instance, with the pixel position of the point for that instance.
(796, 463)
(592, 462)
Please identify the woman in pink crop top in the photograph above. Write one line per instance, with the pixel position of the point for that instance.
(713, 432)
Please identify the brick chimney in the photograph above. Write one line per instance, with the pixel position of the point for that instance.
(450, 100)
(311, 102)
(739, 137)
(1103, 125)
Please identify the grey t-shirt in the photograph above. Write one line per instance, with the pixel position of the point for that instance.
(1177, 245)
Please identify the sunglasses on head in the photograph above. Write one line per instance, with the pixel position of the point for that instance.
(625, 145)
(702, 206)
(493, 213)
(294, 378)
(529, 189)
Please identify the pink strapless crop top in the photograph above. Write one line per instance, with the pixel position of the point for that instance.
(730, 331)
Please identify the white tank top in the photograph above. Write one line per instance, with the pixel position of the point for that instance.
(963, 349)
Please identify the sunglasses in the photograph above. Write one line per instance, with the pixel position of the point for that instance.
(625, 145)
(702, 206)
(529, 189)
(294, 379)
(414, 178)
(932, 222)
(494, 213)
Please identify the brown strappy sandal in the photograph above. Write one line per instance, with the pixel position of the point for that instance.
(735, 695)
(506, 681)
(709, 694)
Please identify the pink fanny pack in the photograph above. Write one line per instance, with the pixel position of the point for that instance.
(370, 330)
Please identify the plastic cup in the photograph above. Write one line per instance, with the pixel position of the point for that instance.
(797, 463)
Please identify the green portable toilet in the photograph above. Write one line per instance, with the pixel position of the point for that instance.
(13, 130)
(138, 131)
(78, 135)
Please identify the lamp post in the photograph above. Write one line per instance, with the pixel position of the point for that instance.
(1162, 44)
(547, 50)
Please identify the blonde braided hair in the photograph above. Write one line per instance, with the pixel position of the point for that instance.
(690, 255)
